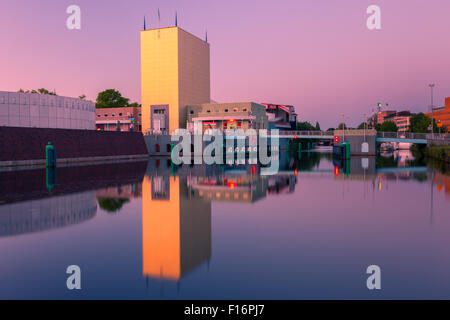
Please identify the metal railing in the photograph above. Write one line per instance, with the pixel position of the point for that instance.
(438, 136)
(305, 133)
(402, 135)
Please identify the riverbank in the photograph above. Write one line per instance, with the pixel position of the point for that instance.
(438, 153)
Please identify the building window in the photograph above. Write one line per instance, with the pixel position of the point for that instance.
(226, 110)
(113, 115)
(208, 111)
(140, 114)
(245, 109)
(235, 109)
(191, 112)
(99, 116)
(106, 114)
(120, 114)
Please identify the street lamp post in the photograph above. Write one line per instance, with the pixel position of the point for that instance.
(365, 120)
(432, 116)
(343, 128)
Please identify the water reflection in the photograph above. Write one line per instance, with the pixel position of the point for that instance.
(176, 221)
(176, 228)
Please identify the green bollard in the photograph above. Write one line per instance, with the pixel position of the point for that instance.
(50, 178)
(299, 150)
(50, 156)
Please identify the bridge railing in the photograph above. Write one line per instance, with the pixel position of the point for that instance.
(438, 136)
(402, 135)
(305, 133)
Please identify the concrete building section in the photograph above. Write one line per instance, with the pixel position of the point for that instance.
(442, 116)
(126, 118)
(362, 142)
(222, 116)
(45, 111)
(175, 72)
(282, 117)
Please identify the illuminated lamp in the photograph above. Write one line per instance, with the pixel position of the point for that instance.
(232, 185)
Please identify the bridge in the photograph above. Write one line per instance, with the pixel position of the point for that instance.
(364, 142)
(406, 137)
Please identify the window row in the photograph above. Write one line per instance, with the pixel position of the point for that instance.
(225, 110)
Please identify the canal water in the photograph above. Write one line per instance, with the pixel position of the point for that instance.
(152, 230)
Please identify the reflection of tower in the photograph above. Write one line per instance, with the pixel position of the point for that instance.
(176, 230)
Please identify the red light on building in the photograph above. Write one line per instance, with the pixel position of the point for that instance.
(232, 185)
(336, 139)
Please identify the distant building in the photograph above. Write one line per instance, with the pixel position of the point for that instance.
(45, 111)
(442, 114)
(401, 119)
(126, 118)
(381, 115)
(281, 117)
(222, 116)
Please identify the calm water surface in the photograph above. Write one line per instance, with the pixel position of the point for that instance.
(155, 231)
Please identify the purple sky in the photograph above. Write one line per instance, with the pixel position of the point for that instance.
(316, 55)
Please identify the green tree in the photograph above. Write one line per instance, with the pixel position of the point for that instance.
(420, 122)
(45, 91)
(363, 125)
(111, 204)
(305, 126)
(317, 126)
(111, 98)
(134, 105)
(82, 97)
(388, 126)
(342, 126)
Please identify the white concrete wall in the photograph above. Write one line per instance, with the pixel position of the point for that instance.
(45, 111)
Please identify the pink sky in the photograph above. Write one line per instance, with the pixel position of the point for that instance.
(316, 55)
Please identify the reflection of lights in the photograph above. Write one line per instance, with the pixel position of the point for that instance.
(232, 185)
(295, 172)
(254, 169)
(157, 163)
(336, 171)
(379, 185)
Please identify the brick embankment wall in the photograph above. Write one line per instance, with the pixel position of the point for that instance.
(26, 146)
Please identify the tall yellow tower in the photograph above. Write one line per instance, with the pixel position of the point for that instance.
(175, 72)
